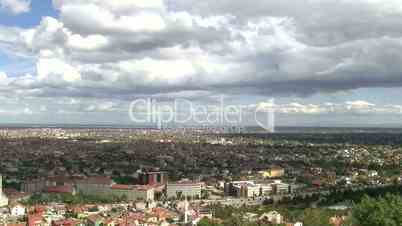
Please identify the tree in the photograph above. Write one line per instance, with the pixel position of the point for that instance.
(315, 217)
(179, 195)
(207, 222)
(385, 211)
(204, 194)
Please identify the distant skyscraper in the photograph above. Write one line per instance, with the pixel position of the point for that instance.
(3, 198)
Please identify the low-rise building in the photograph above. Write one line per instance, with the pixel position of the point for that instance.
(152, 178)
(184, 189)
(95, 186)
(266, 189)
(272, 217)
(248, 189)
(133, 192)
(106, 186)
(280, 188)
(18, 210)
(273, 172)
(34, 186)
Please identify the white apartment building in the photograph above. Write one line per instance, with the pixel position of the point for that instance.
(184, 189)
(133, 192)
(266, 189)
(248, 189)
(18, 211)
(280, 187)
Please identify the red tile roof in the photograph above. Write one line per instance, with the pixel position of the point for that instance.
(67, 222)
(121, 187)
(187, 183)
(97, 180)
(35, 219)
(60, 189)
(14, 194)
(143, 187)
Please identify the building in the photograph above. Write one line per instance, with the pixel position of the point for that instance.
(104, 186)
(337, 221)
(280, 188)
(66, 189)
(372, 173)
(3, 198)
(152, 178)
(133, 192)
(95, 186)
(95, 220)
(184, 189)
(18, 210)
(249, 189)
(272, 217)
(273, 172)
(35, 219)
(244, 189)
(100, 186)
(66, 222)
(15, 196)
(266, 189)
(34, 186)
(55, 184)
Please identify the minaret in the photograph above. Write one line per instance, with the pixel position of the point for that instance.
(186, 211)
(3, 198)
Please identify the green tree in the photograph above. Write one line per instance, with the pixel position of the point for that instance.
(207, 222)
(316, 217)
(386, 211)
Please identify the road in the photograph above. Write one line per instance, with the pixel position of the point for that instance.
(259, 200)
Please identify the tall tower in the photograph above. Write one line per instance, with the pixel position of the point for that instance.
(186, 213)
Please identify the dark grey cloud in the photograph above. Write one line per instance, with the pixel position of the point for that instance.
(99, 48)
(320, 23)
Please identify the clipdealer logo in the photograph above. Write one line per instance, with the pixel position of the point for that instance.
(187, 112)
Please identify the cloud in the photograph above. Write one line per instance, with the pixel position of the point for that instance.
(3, 78)
(118, 6)
(17, 112)
(27, 111)
(43, 108)
(54, 70)
(123, 49)
(318, 22)
(16, 6)
(101, 107)
(359, 107)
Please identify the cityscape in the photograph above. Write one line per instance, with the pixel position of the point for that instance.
(109, 176)
(200, 113)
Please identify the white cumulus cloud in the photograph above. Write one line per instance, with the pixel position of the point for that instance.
(16, 6)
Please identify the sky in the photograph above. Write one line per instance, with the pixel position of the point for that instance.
(311, 62)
